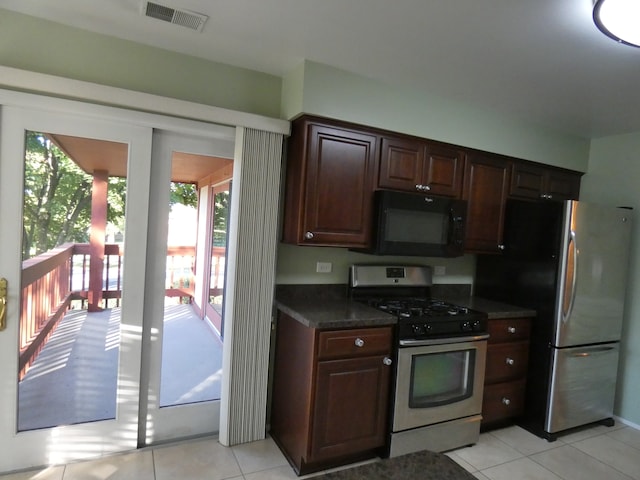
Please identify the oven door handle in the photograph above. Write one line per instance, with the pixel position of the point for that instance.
(443, 341)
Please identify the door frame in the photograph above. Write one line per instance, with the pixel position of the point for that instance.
(162, 424)
(69, 442)
(142, 109)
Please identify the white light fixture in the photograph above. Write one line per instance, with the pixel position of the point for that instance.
(619, 20)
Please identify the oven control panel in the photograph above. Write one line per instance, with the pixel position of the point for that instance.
(473, 323)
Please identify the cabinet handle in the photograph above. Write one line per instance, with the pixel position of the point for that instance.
(308, 235)
(509, 361)
(501, 247)
(511, 329)
(423, 188)
(506, 401)
(359, 342)
(387, 361)
(546, 196)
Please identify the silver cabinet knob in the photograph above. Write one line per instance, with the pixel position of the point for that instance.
(511, 329)
(501, 247)
(506, 401)
(308, 235)
(423, 188)
(509, 361)
(387, 361)
(359, 342)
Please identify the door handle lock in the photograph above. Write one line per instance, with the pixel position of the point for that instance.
(3, 303)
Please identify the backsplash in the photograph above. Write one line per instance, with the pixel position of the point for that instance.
(298, 265)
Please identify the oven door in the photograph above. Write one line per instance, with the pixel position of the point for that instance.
(440, 382)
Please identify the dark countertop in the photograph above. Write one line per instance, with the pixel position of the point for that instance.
(492, 308)
(329, 307)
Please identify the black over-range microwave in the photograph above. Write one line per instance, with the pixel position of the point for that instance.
(418, 225)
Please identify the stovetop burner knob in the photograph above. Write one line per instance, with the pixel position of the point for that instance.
(465, 326)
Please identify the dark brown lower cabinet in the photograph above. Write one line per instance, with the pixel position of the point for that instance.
(331, 394)
(506, 371)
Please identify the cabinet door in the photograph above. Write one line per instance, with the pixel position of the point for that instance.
(350, 413)
(527, 181)
(563, 185)
(485, 189)
(503, 401)
(413, 165)
(338, 198)
(506, 361)
(537, 182)
(401, 164)
(444, 168)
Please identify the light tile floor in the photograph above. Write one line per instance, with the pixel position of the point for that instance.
(508, 454)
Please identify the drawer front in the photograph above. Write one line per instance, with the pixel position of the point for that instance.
(506, 361)
(354, 342)
(509, 329)
(502, 401)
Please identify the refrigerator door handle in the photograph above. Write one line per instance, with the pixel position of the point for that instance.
(572, 269)
(592, 351)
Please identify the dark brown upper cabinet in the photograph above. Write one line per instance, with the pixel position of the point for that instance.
(416, 165)
(330, 183)
(545, 183)
(486, 185)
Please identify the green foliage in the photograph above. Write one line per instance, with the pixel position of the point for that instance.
(220, 219)
(57, 198)
(184, 193)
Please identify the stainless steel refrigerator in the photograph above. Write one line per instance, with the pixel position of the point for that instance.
(569, 262)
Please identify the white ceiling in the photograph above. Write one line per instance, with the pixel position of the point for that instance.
(540, 60)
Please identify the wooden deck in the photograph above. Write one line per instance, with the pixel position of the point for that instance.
(73, 379)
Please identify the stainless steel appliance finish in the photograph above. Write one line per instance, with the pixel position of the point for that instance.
(389, 275)
(440, 361)
(568, 261)
(475, 353)
(591, 398)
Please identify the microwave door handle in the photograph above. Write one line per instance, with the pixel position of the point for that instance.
(451, 229)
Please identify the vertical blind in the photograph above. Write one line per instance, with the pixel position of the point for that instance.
(251, 284)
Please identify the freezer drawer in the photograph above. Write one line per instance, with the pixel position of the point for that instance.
(583, 384)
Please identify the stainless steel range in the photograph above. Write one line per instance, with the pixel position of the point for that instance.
(440, 360)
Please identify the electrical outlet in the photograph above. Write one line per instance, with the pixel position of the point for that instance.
(439, 270)
(323, 267)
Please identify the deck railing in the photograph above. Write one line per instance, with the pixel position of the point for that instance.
(57, 279)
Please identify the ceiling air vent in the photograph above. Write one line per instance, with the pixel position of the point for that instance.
(184, 18)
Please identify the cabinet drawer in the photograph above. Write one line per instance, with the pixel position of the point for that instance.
(354, 343)
(509, 329)
(503, 400)
(506, 361)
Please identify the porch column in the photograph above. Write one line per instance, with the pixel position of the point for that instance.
(97, 237)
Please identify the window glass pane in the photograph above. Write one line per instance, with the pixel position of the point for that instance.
(441, 378)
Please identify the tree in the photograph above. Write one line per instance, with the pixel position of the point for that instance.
(184, 193)
(57, 198)
(221, 201)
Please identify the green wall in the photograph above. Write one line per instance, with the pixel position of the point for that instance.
(297, 265)
(613, 179)
(335, 93)
(47, 47)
